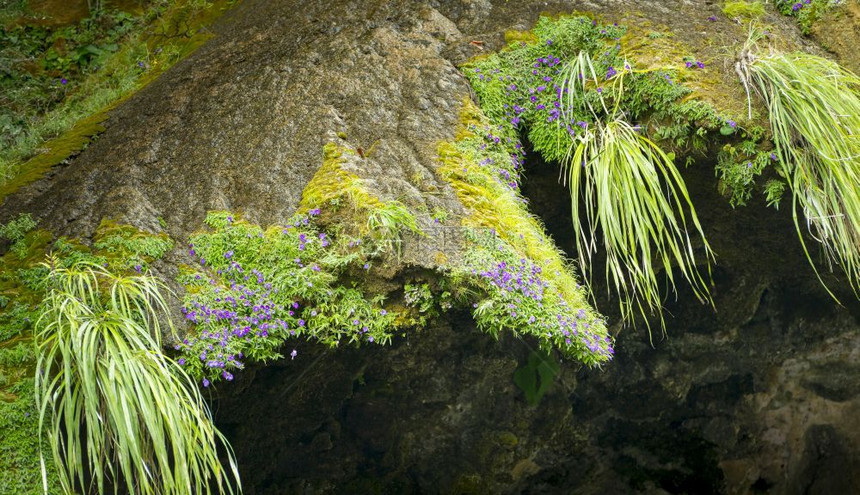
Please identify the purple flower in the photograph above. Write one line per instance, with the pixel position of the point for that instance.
(228, 254)
(205, 382)
(713, 18)
(383, 312)
(611, 72)
(294, 354)
(227, 376)
(64, 81)
(180, 361)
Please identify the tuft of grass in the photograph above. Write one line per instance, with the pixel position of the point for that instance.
(113, 407)
(814, 108)
(634, 199)
(387, 221)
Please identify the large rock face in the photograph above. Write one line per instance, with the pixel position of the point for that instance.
(759, 396)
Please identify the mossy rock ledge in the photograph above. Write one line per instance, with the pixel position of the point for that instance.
(760, 396)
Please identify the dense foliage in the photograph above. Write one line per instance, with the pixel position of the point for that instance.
(579, 102)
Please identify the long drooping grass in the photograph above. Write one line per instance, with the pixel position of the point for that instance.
(634, 199)
(114, 408)
(814, 109)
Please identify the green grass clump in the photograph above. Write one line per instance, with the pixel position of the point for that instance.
(24, 282)
(636, 197)
(745, 10)
(110, 403)
(814, 110)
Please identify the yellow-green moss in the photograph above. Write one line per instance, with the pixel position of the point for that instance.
(332, 183)
(653, 53)
(513, 36)
(741, 9)
(493, 206)
(55, 151)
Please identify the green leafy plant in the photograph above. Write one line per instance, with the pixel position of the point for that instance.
(807, 12)
(111, 404)
(15, 230)
(634, 194)
(536, 376)
(814, 110)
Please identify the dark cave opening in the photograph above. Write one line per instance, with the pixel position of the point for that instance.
(424, 415)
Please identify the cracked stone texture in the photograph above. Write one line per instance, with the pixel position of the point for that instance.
(757, 397)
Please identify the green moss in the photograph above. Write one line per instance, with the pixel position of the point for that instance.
(55, 151)
(744, 10)
(126, 248)
(20, 472)
(514, 36)
(504, 233)
(167, 35)
(332, 185)
(508, 440)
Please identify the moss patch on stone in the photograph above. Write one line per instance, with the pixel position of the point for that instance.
(68, 129)
(508, 243)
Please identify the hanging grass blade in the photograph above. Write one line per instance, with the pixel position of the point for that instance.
(814, 108)
(633, 201)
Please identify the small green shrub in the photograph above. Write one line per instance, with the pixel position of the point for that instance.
(256, 289)
(807, 12)
(15, 230)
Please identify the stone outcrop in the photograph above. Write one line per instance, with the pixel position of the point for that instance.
(759, 396)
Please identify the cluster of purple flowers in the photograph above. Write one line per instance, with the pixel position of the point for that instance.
(525, 301)
(694, 64)
(799, 5)
(243, 311)
(523, 278)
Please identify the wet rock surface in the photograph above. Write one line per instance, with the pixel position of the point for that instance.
(759, 396)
